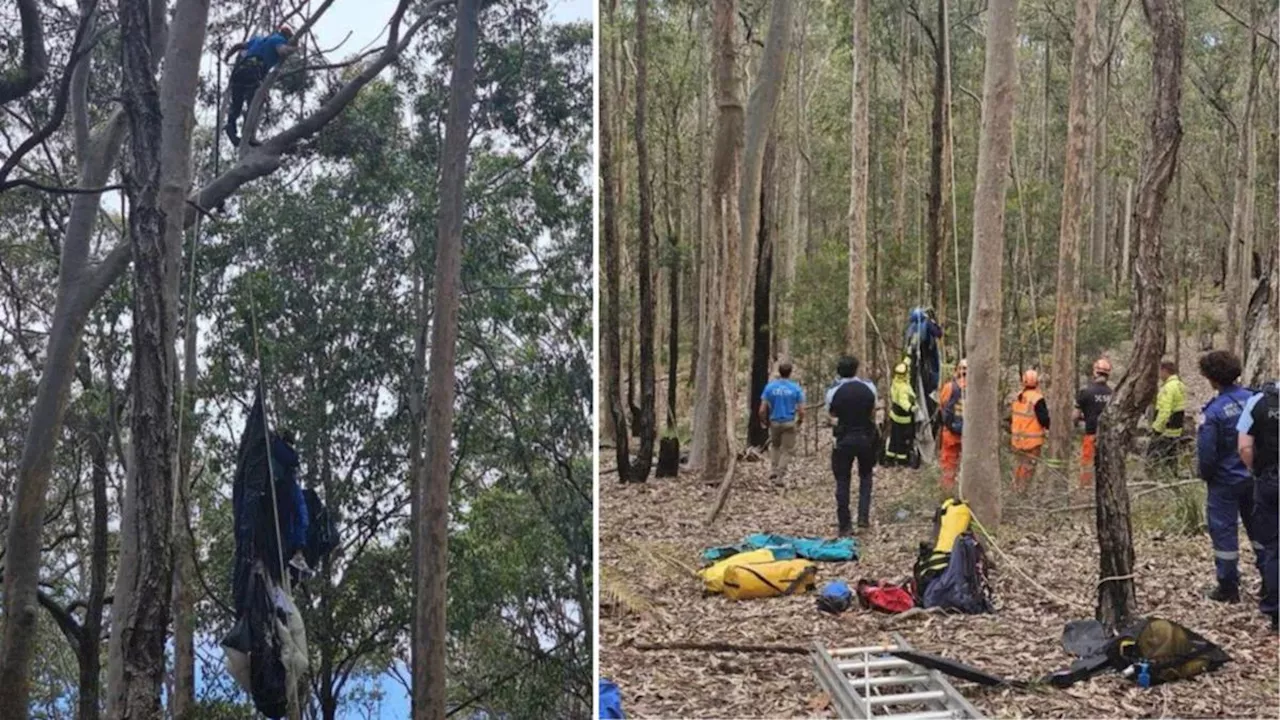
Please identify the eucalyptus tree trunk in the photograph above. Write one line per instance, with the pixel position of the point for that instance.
(646, 428)
(940, 166)
(720, 268)
(980, 463)
(612, 355)
(855, 336)
(902, 142)
(1137, 387)
(431, 526)
(157, 177)
(760, 112)
(1075, 188)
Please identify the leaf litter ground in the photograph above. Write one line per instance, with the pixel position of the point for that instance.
(652, 534)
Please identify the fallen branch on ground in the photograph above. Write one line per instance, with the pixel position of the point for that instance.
(724, 491)
(721, 647)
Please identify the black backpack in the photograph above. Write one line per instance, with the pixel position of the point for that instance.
(954, 581)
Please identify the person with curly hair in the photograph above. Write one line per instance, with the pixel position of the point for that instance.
(1230, 491)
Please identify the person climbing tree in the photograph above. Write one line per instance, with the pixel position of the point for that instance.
(258, 55)
(923, 334)
(902, 411)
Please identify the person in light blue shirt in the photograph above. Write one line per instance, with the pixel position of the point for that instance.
(782, 411)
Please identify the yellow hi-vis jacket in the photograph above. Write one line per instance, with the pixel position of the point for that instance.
(902, 401)
(1171, 408)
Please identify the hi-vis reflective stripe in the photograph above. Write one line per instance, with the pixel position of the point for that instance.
(1258, 547)
(1226, 554)
(1029, 435)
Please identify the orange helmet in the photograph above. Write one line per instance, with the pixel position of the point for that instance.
(1102, 366)
(1030, 379)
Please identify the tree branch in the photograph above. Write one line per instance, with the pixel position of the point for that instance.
(66, 623)
(35, 60)
(79, 50)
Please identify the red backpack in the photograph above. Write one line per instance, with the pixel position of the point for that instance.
(884, 596)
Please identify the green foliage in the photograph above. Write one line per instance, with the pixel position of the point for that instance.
(820, 297)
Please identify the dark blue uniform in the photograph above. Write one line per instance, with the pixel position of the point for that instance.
(1262, 422)
(1230, 491)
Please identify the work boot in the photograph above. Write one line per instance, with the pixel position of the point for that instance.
(1224, 594)
(845, 531)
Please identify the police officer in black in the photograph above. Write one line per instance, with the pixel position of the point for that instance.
(851, 403)
(1258, 438)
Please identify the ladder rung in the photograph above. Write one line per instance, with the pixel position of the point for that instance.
(906, 697)
(880, 680)
(876, 649)
(932, 715)
(879, 664)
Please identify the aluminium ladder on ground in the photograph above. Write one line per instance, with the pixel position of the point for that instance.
(868, 682)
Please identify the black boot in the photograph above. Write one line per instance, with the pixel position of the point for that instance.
(1225, 594)
(232, 135)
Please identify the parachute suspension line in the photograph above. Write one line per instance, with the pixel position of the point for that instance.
(191, 271)
(266, 435)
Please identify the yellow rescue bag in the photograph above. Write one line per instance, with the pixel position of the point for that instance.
(713, 576)
(764, 580)
(953, 519)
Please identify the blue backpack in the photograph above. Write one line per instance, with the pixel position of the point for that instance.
(962, 586)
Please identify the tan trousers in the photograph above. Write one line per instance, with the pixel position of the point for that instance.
(782, 440)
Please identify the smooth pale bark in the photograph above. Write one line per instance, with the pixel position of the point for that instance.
(760, 113)
(160, 117)
(80, 286)
(185, 591)
(646, 428)
(431, 527)
(980, 463)
(855, 334)
(1075, 189)
(1117, 602)
(791, 241)
(711, 454)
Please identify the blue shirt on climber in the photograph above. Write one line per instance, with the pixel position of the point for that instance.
(783, 396)
(265, 49)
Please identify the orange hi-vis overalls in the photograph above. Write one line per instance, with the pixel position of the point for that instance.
(1028, 436)
(949, 452)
